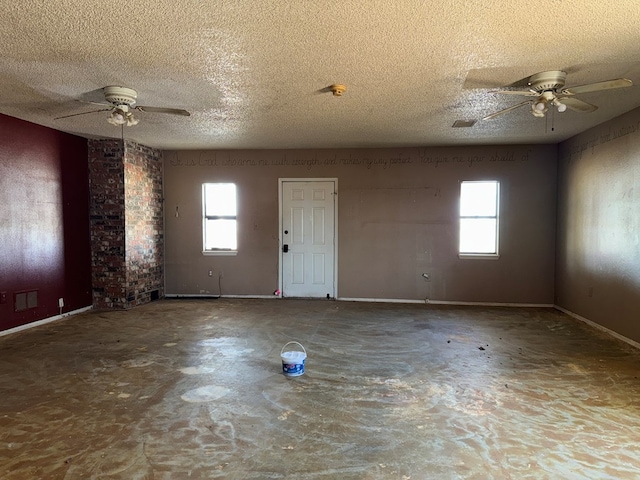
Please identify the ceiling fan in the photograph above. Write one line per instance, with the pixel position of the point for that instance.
(548, 89)
(122, 103)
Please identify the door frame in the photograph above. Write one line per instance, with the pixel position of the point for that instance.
(281, 181)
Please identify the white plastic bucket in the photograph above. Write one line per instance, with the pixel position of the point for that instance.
(293, 360)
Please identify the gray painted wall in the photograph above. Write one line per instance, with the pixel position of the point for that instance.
(397, 218)
(598, 246)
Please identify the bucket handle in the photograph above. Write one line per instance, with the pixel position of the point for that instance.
(289, 343)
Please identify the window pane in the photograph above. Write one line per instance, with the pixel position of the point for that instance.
(220, 234)
(478, 235)
(478, 199)
(220, 199)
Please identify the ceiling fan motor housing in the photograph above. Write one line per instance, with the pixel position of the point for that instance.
(120, 95)
(544, 81)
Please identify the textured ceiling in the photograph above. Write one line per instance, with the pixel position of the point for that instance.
(254, 74)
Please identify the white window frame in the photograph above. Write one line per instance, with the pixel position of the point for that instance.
(481, 255)
(206, 218)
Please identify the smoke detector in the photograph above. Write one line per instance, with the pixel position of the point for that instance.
(337, 89)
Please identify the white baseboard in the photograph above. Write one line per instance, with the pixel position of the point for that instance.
(268, 297)
(593, 324)
(378, 300)
(446, 302)
(208, 295)
(491, 304)
(44, 321)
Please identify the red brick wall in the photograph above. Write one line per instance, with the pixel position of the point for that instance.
(144, 256)
(106, 185)
(127, 234)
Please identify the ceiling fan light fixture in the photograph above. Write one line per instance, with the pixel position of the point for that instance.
(540, 105)
(117, 118)
(561, 107)
(122, 116)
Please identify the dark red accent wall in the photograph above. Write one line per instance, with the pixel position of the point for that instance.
(44, 221)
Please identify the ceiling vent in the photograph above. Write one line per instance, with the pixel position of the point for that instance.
(463, 123)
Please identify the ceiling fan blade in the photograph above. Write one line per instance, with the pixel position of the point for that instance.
(501, 112)
(95, 103)
(526, 93)
(83, 113)
(577, 105)
(173, 111)
(593, 87)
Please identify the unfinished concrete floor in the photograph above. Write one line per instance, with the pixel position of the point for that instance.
(193, 389)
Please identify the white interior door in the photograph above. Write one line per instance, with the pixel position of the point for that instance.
(307, 253)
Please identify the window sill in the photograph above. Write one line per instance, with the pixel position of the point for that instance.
(220, 253)
(478, 256)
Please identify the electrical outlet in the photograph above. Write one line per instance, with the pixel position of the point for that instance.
(211, 273)
(61, 302)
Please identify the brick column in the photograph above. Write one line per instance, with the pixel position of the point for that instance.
(127, 236)
(144, 249)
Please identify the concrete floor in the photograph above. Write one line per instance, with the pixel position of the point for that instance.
(193, 389)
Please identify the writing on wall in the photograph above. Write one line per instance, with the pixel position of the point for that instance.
(423, 157)
(601, 138)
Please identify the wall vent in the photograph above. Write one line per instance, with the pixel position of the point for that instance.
(26, 300)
